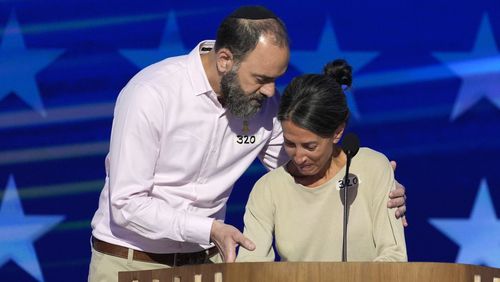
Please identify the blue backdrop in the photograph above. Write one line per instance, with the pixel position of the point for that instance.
(426, 93)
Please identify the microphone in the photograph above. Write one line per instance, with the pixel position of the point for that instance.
(350, 146)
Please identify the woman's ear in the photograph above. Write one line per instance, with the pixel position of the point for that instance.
(224, 60)
(338, 133)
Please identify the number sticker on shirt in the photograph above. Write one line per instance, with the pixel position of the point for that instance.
(245, 139)
(351, 181)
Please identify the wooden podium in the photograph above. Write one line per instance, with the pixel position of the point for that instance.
(317, 272)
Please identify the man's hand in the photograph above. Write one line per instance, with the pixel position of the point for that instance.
(398, 199)
(226, 238)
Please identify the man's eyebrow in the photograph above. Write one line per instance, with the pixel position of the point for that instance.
(264, 77)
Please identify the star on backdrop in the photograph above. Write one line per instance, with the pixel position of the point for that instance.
(18, 232)
(478, 236)
(170, 45)
(479, 73)
(19, 66)
(328, 50)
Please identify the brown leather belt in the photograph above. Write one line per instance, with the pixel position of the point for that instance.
(176, 259)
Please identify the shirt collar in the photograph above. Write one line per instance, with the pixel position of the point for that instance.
(198, 77)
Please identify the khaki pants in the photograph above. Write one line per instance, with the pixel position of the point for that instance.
(105, 268)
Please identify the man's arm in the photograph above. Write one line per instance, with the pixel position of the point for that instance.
(134, 151)
(273, 154)
(226, 238)
(398, 199)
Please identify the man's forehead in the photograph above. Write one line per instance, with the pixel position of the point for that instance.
(267, 60)
(265, 73)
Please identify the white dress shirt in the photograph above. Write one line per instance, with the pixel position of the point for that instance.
(174, 156)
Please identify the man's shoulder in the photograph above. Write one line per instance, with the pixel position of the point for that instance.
(170, 68)
(173, 72)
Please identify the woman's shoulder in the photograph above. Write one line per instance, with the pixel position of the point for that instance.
(371, 156)
(274, 175)
(272, 180)
(370, 160)
(269, 186)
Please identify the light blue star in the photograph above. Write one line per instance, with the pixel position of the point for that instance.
(479, 235)
(18, 232)
(171, 45)
(479, 70)
(18, 66)
(328, 50)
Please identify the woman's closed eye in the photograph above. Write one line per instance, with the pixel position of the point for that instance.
(310, 147)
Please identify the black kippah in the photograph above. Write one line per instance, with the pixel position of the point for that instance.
(253, 13)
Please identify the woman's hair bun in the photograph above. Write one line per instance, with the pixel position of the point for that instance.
(339, 70)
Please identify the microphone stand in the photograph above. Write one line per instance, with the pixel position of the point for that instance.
(344, 235)
(350, 146)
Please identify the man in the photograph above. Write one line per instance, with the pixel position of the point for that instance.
(184, 130)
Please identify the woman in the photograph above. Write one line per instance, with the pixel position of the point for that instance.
(299, 205)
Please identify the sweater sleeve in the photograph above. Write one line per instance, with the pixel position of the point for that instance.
(259, 224)
(388, 232)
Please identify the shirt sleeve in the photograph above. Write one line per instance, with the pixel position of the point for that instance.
(259, 224)
(388, 232)
(273, 154)
(134, 150)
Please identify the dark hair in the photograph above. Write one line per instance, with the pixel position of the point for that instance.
(316, 102)
(241, 35)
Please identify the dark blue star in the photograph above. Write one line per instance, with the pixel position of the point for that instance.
(171, 45)
(18, 232)
(479, 70)
(18, 66)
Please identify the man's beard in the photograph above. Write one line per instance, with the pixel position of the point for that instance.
(236, 101)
